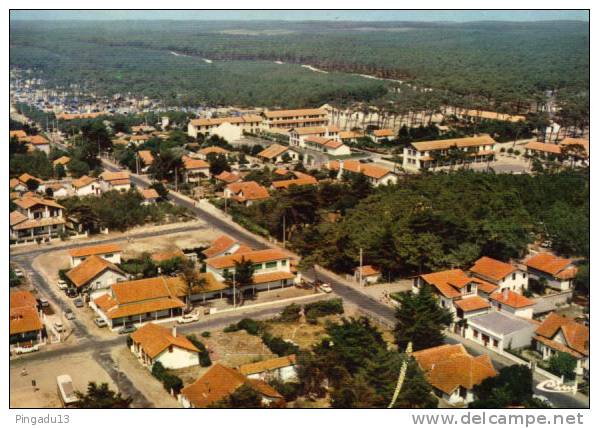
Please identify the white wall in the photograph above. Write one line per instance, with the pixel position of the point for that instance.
(177, 359)
(106, 279)
(519, 312)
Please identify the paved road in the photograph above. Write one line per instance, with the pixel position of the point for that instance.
(348, 293)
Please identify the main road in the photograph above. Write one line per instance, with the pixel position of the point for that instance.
(353, 295)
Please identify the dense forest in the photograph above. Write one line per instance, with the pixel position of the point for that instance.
(429, 222)
(504, 63)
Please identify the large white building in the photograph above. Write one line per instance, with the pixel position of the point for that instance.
(230, 128)
(499, 330)
(272, 268)
(36, 218)
(440, 153)
(298, 136)
(284, 120)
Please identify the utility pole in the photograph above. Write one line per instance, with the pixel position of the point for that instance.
(137, 163)
(284, 230)
(234, 292)
(176, 180)
(360, 267)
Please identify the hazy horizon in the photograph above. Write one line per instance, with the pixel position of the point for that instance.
(305, 15)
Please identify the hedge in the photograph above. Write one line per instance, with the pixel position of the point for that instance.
(204, 354)
(323, 308)
(169, 381)
(279, 346)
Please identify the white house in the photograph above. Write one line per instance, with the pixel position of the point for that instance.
(558, 272)
(271, 268)
(120, 181)
(219, 382)
(502, 274)
(195, 170)
(513, 303)
(561, 334)
(298, 136)
(332, 147)
(246, 192)
(377, 175)
(109, 252)
(282, 368)
(152, 343)
(85, 185)
(95, 273)
(224, 246)
(370, 274)
(499, 330)
(276, 153)
(36, 218)
(453, 373)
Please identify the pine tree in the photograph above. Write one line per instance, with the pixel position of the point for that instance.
(420, 320)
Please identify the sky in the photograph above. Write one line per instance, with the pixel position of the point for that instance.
(328, 15)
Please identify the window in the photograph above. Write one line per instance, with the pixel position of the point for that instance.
(258, 266)
(170, 348)
(513, 276)
(270, 265)
(476, 334)
(495, 343)
(283, 262)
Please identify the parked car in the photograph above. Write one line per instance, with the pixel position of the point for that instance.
(71, 292)
(43, 302)
(62, 285)
(325, 288)
(78, 302)
(100, 322)
(128, 329)
(543, 399)
(187, 318)
(18, 272)
(68, 314)
(58, 327)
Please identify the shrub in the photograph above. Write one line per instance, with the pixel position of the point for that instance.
(231, 328)
(129, 341)
(204, 354)
(290, 313)
(562, 364)
(205, 334)
(169, 381)
(252, 327)
(510, 150)
(323, 308)
(279, 346)
(289, 390)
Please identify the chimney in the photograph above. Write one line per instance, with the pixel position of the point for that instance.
(174, 331)
(506, 292)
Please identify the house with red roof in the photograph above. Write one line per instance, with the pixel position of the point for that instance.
(36, 219)
(368, 273)
(513, 303)
(453, 372)
(503, 275)
(560, 334)
(557, 271)
(153, 343)
(457, 292)
(246, 192)
(219, 382)
(25, 323)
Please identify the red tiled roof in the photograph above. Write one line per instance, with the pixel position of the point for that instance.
(219, 245)
(257, 256)
(250, 189)
(447, 367)
(491, 268)
(576, 334)
(548, 263)
(154, 339)
(95, 249)
(512, 299)
(89, 269)
(473, 303)
(219, 382)
(448, 282)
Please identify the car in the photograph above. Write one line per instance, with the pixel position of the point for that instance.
(543, 399)
(128, 329)
(62, 285)
(78, 302)
(325, 288)
(71, 292)
(43, 302)
(100, 322)
(68, 314)
(18, 272)
(58, 326)
(187, 318)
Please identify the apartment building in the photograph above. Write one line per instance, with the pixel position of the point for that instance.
(456, 151)
(287, 119)
(36, 218)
